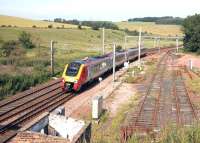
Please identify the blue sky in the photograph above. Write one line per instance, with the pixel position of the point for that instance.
(112, 10)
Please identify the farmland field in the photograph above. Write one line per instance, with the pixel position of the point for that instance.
(151, 27)
(21, 22)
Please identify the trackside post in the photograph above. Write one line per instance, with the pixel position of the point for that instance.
(52, 57)
(103, 41)
(114, 47)
(139, 45)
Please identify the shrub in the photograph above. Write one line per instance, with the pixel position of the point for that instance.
(25, 40)
(95, 27)
(34, 26)
(118, 48)
(50, 26)
(3, 25)
(8, 47)
(191, 29)
(79, 26)
(12, 84)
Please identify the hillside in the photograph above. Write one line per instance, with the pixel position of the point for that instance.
(21, 22)
(151, 27)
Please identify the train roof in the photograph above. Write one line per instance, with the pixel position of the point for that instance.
(96, 58)
(91, 59)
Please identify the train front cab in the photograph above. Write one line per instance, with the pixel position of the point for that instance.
(74, 76)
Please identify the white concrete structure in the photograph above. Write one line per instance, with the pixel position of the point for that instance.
(97, 103)
(190, 64)
(66, 127)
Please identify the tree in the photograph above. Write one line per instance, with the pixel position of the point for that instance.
(79, 26)
(25, 40)
(191, 29)
(50, 26)
(95, 27)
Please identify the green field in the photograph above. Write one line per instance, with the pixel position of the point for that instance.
(21, 22)
(27, 67)
(151, 27)
(33, 65)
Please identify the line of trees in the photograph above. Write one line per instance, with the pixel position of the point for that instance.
(95, 25)
(191, 29)
(159, 20)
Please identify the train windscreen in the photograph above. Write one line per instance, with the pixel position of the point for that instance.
(72, 69)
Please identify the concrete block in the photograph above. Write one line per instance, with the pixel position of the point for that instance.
(97, 106)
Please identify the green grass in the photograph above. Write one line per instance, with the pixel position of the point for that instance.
(151, 27)
(194, 85)
(108, 130)
(86, 39)
(172, 134)
(22, 22)
(72, 44)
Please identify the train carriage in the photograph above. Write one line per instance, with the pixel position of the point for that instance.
(80, 72)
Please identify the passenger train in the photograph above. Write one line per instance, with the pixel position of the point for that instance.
(80, 72)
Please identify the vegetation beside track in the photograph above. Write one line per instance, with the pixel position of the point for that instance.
(172, 134)
(33, 64)
(191, 29)
(108, 130)
(194, 85)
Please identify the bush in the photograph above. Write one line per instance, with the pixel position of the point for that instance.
(34, 26)
(3, 25)
(95, 27)
(118, 48)
(8, 47)
(11, 84)
(50, 26)
(79, 26)
(191, 29)
(25, 40)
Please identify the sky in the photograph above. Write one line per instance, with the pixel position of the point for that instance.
(109, 10)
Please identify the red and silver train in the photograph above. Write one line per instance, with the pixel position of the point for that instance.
(80, 72)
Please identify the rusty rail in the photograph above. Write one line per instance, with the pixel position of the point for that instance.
(146, 109)
(148, 118)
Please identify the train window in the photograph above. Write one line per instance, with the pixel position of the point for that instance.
(73, 69)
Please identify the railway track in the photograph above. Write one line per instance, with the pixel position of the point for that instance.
(21, 108)
(184, 108)
(167, 100)
(17, 110)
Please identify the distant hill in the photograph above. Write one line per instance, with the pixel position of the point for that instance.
(159, 20)
(22, 22)
(152, 28)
